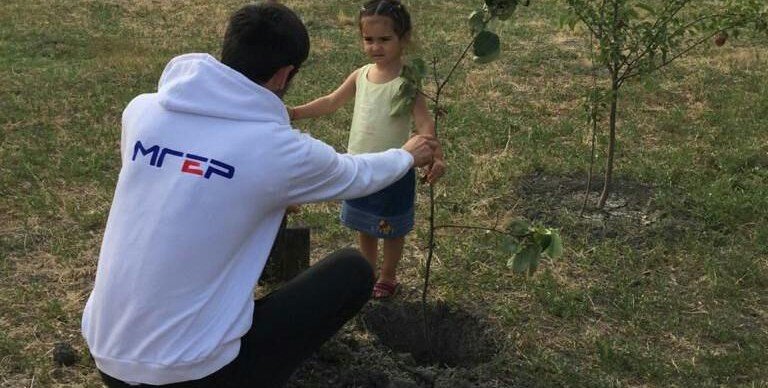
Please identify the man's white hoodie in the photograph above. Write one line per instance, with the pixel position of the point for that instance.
(209, 164)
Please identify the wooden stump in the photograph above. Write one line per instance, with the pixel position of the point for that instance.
(289, 255)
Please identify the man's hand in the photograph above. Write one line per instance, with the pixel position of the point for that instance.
(422, 147)
(434, 171)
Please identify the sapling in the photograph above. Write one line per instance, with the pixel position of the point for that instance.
(526, 243)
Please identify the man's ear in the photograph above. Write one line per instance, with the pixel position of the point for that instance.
(280, 79)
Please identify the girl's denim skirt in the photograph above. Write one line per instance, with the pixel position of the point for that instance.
(387, 213)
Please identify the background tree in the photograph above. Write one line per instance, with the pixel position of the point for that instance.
(634, 38)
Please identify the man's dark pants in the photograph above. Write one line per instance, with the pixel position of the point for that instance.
(291, 323)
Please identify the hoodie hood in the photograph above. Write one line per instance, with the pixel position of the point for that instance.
(199, 84)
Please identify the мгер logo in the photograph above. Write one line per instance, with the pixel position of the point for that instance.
(192, 164)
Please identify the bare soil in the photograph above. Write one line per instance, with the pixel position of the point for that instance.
(386, 347)
(631, 212)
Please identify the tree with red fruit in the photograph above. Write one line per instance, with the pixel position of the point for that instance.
(635, 38)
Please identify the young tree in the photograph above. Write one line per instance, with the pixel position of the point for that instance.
(525, 242)
(635, 38)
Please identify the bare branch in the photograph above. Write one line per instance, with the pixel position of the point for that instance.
(671, 59)
(483, 228)
(655, 27)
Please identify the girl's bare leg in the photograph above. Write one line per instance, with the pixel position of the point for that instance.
(393, 251)
(369, 246)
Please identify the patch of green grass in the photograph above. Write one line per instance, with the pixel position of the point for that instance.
(557, 300)
(631, 360)
(11, 356)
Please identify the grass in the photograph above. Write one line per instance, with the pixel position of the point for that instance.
(676, 300)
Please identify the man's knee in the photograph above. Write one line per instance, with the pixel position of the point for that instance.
(356, 267)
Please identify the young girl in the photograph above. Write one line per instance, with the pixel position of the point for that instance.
(385, 28)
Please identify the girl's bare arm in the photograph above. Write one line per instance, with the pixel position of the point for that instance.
(328, 103)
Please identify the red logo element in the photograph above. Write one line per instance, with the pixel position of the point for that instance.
(191, 167)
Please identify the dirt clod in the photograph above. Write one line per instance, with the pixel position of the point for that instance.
(64, 354)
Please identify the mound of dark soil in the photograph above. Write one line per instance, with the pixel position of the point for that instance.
(628, 199)
(630, 213)
(453, 337)
(385, 347)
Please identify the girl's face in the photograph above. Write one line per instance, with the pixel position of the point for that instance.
(380, 42)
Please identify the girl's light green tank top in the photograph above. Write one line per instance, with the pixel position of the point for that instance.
(373, 129)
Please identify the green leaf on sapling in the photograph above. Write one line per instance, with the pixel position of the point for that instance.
(413, 73)
(486, 44)
(476, 22)
(519, 228)
(402, 101)
(486, 59)
(502, 9)
(534, 264)
(522, 260)
(543, 239)
(511, 262)
(555, 248)
(419, 68)
(511, 246)
(407, 89)
(400, 106)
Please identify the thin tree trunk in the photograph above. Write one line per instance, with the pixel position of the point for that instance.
(615, 67)
(593, 117)
(611, 145)
(424, 314)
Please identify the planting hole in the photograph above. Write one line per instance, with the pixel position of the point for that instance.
(456, 337)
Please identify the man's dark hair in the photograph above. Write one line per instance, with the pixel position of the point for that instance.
(261, 38)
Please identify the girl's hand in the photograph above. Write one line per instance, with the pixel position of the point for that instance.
(435, 171)
(291, 113)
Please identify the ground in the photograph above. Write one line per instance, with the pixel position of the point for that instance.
(666, 286)
(386, 346)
